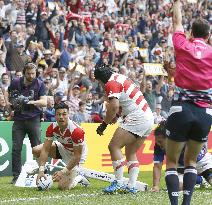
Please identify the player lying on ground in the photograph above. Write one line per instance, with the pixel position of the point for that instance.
(204, 161)
(69, 145)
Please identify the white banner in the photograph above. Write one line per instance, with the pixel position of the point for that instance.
(121, 46)
(154, 69)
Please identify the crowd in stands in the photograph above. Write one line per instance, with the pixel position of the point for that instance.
(66, 38)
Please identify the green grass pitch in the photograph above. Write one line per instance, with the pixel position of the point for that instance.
(92, 195)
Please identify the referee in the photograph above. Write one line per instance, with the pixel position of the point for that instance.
(190, 117)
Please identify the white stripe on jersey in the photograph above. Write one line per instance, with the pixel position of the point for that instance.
(131, 98)
(121, 79)
(130, 89)
(137, 95)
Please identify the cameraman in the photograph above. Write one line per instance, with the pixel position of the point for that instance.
(27, 96)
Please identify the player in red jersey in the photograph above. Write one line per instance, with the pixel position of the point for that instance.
(136, 123)
(69, 145)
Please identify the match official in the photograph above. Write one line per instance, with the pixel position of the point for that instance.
(190, 116)
(27, 96)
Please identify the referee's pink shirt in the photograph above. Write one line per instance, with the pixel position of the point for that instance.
(193, 63)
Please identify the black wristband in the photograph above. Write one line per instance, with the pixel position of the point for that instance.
(104, 124)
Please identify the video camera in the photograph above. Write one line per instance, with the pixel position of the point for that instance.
(18, 101)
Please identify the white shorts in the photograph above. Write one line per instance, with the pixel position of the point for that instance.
(67, 155)
(205, 163)
(138, 123)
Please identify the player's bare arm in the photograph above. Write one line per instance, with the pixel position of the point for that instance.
(77, 153)
(43, 158)
(112, 109)
(177, 16)
(156, 177)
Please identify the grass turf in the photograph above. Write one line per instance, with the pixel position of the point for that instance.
(92, 195)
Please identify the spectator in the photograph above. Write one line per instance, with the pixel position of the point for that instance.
(81, 116)
(41, 31)
(5, 112)
(97, 108)
(151, 94)
(74, 99)
(18, 74)
(157, 114)
(49, 113)
(5, 81)
(63, 81)
(166, 102)
(59, 97)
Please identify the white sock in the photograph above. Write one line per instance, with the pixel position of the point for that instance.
(133, 170)
(118, 167)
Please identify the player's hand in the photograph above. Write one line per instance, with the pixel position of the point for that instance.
(57, 176)
(40, 175)
(101, 128)
(155, 189)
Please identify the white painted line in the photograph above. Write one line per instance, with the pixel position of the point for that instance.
(50, 197)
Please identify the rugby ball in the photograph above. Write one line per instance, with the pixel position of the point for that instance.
(44, 184)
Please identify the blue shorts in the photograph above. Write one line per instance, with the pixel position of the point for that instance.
(188, 121)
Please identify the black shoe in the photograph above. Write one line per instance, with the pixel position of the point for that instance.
(15, 178)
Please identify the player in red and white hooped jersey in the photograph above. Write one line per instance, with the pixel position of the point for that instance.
(72, 136)
(135, 124)
(64, 140)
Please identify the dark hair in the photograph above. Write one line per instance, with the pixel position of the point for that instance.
(3, 74)
(200, 28)
(102, 72)
(160, 129)
(81, 103)
(61, 105)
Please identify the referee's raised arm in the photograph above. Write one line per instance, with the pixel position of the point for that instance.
(177, 16)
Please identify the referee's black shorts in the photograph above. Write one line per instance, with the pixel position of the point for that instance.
(188, 121)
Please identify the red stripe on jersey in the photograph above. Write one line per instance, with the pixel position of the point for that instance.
(49, 131)
(67, 145)
(132, 94)
(144, 108)
(126, 85)
(77, 135)
(113, 87)
(138, 101)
